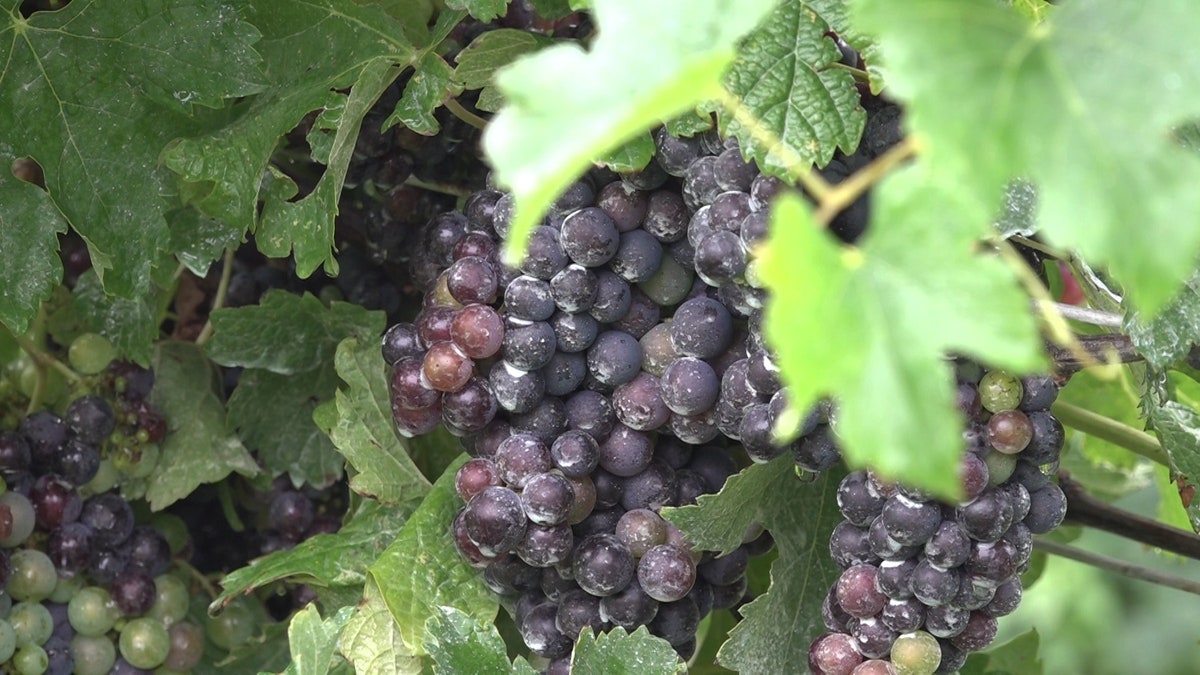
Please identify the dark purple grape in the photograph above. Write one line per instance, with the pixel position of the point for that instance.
(599, 521)
(1038, 392)
(615, 357)
(873, 637)
(909, 522)
(14, 453)
(934, 585)
(644, 313)
(408, 390)
(857, 594)
(832, 615)
(674, 453)
(950, 545)
(1047, 508)
(946, 621)
(626, 452)
(90, 419)
(547, 498)
(641, 530)
(45, 433)
(702, 328)
(734, 173)
(626, 206)
(603, 565)
(528, 298)
(757, 433)
(996, 562)
(495, 520)
(730, 596)
(472, 280)
(676, 622)
(973, 474)
(754, 229)
(762, 374)
(106, 564)
(520, 457)
(978, 633)
(728, 211)
(763, 190)
(592, 413)
(574, 289)
(474, 476)
(721, 258)
(694, 429)
(666, 573)
(856, 500)
(478, 330)
(639, 405)
(903, 616)
(726, 569)
(466, 547)
(291, 513)
(973, 593)
(1046, 441)
(546, 421)
(609, 489)
(149, 550)
(653, 488)
(110, 516)
(574, 332)
(69, 548)
(541, 635)
(417, 422)
(433, 324)
(471, 407)
(833, 654)
(510, 576)
(714, 465)
(629, 608)
(133, 591)
(689, 386)
(78, 462)
(577, 610)
(952, 659)
(590, 237)
(638, 256)
(564, 373)
(894, 578)
(474, 244)
(545, 255)
(849, 545)
(1006, 599)
(700, 183)
(613, 297)
(575, 453)
(675, 154)
(690, 486)
(446, 368)
(988, 517)
(55, 502)
(514, 389)
(666, 217)
(529, 346)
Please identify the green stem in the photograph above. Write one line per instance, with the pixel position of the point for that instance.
(859, 74)
(225, 496)
(860, 181)
(465, 115)
(45, 360)
(1108, 429)
(196, 574)
(219, 300)
(1121, 567)
(440, 188)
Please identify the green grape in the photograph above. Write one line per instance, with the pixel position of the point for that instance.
(92, 612)
(93, 655)
(6, 604)
(22, 518)
(1000, 467)
(65, 589)
(916, 653)
(187, 646)
(1000, 391)
(145, 643)
(91, 353)
(33, 575)
(136, 461)
(173, 529)
(31, 622)
(31, 660)
(231, 627)
(8, 641)
(171, 599)
(107, 478)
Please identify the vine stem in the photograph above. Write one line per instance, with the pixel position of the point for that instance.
(219, 300)
(463, 114)
(800, 170)
(1106, 349)
(440, 188)
(1108, 429)
(859, 74)
(1095, 317)
(44, 360)
(1121, 567)
(1084, 509)
(860, 181)
(196, 574)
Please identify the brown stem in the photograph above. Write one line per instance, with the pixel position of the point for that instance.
(1103, 348)
(1084, 509)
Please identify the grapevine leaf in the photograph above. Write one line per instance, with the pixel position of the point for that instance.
(313, 640)
(1017, 656)
(266, 653)
(568, 107)
(93, 93)
(422, 569)
(29, 223)
(309, 50)
(1168, 336)
(128, 324)
(1113, 394)
(197, 449)
(689, 124)
(199, 240)
(269, 412)
(459, 643)
(619, 653)
(1178, 428)
(894, 317)
(428, 88)
(631, 156)
(365, 433)
(551, 9)
(786, 81)
(484, 10)
(1070, 104)
(371, 639)
(337, 559)
(479, 61)
(777, 627)
(287, 333)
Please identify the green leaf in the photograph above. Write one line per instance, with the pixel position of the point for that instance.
(337, 559)
(29, 224)
(1113, 393)
(273, 416)
(365, 433)
(484, 10)
(309, 50)
(689, 124)
(568, 107)
(198, 240)
(422, 569)
(631, 156)
(551, 9)
(478, 62)
(1018, 656)
(287, 333)
(777, 627)
(619, 653)
(313, 640)
(1167, 338)
(94, 92)
(786, 81)
(372, 641)
(428, 88)
(871, 326)
(129, 325)
(268, 652)
(1178, 428)
(197, 449)
(1070, 104)
(459, 643)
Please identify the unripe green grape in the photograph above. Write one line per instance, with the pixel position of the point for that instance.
(145, 643)
(33, 575)
(171, 599)
(999, 391)
(232, 627)
(107, 477)
(916, 653)
(31, 660)
(31, 622)
(92, 612)
(23, 518)
(1000, 467)
(136, 460)
(173, 529)
(93, 655)
(65, 589)
(6, 604)
(91, 353)
(187, 646)
(8, 641)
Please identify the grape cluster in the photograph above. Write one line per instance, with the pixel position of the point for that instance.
(924, 582)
